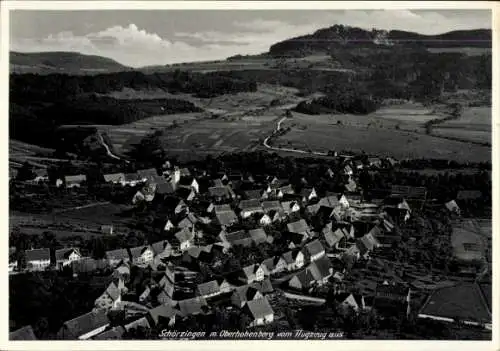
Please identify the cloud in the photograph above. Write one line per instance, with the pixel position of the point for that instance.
(134, 46)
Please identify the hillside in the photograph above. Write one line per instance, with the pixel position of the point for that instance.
(327, 40)
(62, 62)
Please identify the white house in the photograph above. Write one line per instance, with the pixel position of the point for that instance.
(64, 257)
(141, 255)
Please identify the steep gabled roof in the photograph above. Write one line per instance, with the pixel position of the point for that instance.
(314, 247)
(162, 311)
(24, 333)
(62, 254)
(192, 306)
(321, 268)
(250, 205)
(226, 217)
(37, 255)
(258, 235)
(85, 323)
(298, 227)
(208, 288)
(184, 235)
(259, 308)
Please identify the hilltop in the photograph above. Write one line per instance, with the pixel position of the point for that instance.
(62, 62)
(327, 40)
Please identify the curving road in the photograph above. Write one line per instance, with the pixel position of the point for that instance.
(108, 151)
(278, 128)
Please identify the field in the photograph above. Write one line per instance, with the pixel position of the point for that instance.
(468, 51)
(381, 141)
(474, 124)
(83, 222)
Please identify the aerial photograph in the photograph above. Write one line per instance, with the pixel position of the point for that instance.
(250, 174)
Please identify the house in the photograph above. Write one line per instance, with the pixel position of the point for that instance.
(107, 229)
(242, 294)
(329, 201)
(374, 162)
(238, 238)
(37, 259)
(188, 221)
(249, 207)
(141, 255)
(226, 218)
(258, 235)
(114, 257)
(351, 185)
(193, 306)
(293, 259)
(219, 193)
(452, 207)
(366, 244)
(176, 204)
(75, 181)
(24, 333)
(111, 297)
(208, 289)
(333, 238)
(184, 239)
(115, 178)
(313, 250)
(466, 302)
(161, 248)
(163, 315)
(467, 195)
(147, 174)
(391, 161)
(350, 301)
(186, 194)
(132, 179)
(41, 176)
(164, 189)
(166, 293)
(264, 219)
(321, 270)
(64, 257)
(348, 170)
(397, 207)
(344, 202)
(138, 323)
(358, 165)
(392, 299)
(299, 227)
(268, 206)
(302, 280)
(190, 183)
(273, 265)
(255, 194)
(115, 333)
(252, 273)
(260, 312)
(290, 207)
(308, 194)
(284, 190)
(85, 326)
(313, 209)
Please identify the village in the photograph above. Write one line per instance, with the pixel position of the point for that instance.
(243, 250)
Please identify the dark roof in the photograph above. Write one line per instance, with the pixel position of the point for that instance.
(186, 180)
(138, 251)
(271, 205)
(469, 194)
(184, 235)
(147, 173)
(208, 288)
(159, 246)
(253, 194)
(184, 193)
(304, 277)
(314, 247)
(219, 191)
(320, 268)
(464, 301)
(258, 235)
(192, 306)
(164, 188)
(226, 217)
(85, 323)
(117, 254)
(290, 256)
(259, 308)
(253, 204)
(240, 237)
(162, 311)
(298, 227)
(37, 254)
(24, 333)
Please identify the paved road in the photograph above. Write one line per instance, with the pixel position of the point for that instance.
(108, 151)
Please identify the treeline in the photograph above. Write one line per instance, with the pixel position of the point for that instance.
(54, 87)
(38, 123)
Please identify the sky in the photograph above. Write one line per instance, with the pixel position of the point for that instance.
(157, 37)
